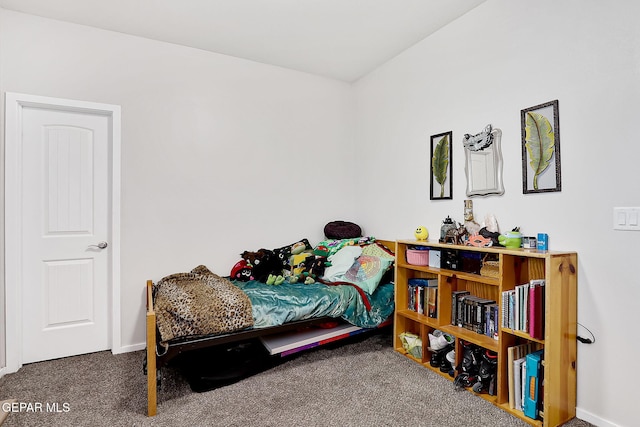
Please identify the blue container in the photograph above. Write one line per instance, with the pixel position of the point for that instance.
(543, 242)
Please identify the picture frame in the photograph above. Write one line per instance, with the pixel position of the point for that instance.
(483, 162)
(441, 166)
(540, 127)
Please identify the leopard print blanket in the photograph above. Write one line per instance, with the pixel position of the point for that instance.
(199, 303)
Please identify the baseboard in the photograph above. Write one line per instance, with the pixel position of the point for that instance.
(129, 348)
(593, 419)
(3, 371)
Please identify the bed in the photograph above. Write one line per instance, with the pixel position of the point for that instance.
(274, 311)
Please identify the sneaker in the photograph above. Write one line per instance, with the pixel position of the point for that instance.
(436, 359)
(438, 342)
(451, 357)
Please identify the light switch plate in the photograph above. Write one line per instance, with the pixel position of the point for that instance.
(626, 219)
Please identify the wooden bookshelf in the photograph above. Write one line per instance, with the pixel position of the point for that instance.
(516, 267)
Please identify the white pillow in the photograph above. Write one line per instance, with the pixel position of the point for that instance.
(341, 261)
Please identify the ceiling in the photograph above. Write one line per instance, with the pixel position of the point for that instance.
(340, 39)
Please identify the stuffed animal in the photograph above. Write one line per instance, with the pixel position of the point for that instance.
(316, 266)
(298, 263)
(308, 267)
(241, 271)
(264, 264)
(493, 236)
(284, 254)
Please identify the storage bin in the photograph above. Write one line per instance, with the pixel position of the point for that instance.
(434, 258)
(471, 262)
(490, 267)
(418, 256)
(450, 259)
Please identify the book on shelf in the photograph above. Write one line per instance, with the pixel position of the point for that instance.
(517, 382)
(411, 297)
(504, 313)
(533, 381)
(414, 302)
(514, 353)
(536, 309)
(491, 320)
(432, 300)
(420, 299)
(470, 312)
(455, 297)
(515, 307)
(519, 369)
(477, 314)
(418, 294)
(523, 308)
(512, 304)
(466, 306)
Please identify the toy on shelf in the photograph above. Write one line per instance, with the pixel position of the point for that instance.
(447, 224)
(421, 233)
(512, 240)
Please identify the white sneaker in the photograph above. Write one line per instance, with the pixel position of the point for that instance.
(440, 341)
(451, 357)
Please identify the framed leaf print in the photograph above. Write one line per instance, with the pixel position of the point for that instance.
(541, 148)
(441, 161)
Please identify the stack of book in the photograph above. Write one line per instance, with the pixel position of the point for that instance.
(523, 308)
(423, 296)
(524, 373)
(474, 313)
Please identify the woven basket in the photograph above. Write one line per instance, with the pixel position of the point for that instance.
(490, 268)
(417, 257)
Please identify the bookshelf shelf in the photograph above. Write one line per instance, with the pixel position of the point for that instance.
(522, 335)
(472, 337)
(517, 267)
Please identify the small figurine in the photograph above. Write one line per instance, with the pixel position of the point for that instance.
(512, 239)
(421, 233)
(455, 236)
(447, 225)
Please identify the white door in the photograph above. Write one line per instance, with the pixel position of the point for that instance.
(65, 233)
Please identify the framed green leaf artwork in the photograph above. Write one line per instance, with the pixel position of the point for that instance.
(441, 161)
(541, 148)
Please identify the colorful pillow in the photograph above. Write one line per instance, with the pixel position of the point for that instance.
(332, 245)
(379, 250)
(367, 271)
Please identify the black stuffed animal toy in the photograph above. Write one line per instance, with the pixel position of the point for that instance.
(265, 266)
(317, 267)
(284, 253)
(490, 235)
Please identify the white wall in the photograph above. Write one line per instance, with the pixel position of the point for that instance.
(219, 154)
(484, 68)
(207, 136)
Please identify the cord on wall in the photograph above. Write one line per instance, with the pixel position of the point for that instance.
(586, 340)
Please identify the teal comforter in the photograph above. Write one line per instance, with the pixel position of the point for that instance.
(276, 305)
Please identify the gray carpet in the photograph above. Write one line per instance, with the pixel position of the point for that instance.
(362, 383)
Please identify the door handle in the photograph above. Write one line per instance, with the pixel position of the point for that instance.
(100, 245)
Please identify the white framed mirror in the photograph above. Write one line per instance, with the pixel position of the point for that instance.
(483, 163)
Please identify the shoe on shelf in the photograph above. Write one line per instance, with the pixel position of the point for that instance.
(451, 357)
(439, 341)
